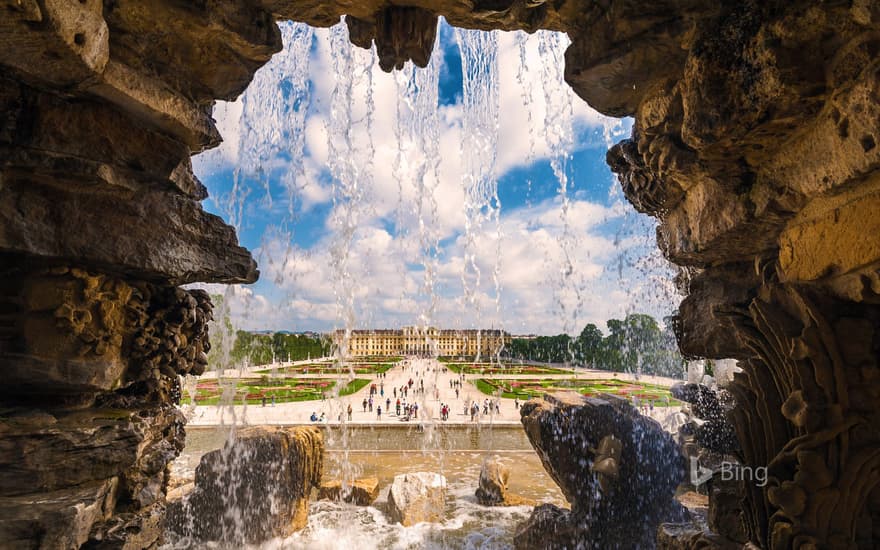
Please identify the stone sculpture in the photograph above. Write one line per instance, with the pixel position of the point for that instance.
(618, 469)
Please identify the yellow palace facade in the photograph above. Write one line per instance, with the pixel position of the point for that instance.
(423, 342)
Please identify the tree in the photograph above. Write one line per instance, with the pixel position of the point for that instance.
(589, 344)
(547, 349)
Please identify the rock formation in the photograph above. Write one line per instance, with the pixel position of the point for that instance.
(417, 497)
(360, 491)
(255, 488)
(493, 486)
(101, 106)
(755, 145)
(618, 470)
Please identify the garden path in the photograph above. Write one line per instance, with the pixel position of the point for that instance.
(420, 370)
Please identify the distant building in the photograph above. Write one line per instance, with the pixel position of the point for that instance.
(423, 342)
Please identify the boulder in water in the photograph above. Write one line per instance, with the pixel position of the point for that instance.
(417, 497)
(361, 491)
(255, 488)
(493, 486)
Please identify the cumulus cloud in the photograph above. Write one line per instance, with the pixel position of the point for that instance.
(322, 126)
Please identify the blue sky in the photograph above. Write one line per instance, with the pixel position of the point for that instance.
(355, 191)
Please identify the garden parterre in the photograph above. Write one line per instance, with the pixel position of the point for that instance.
(283, 390)
(528, 388)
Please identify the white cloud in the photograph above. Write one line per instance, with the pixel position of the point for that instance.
(556, 271)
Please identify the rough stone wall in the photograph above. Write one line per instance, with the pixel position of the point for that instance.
(101, 106)
(756, 150)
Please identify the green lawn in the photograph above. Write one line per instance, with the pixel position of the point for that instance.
(527, 389)
(284, 390)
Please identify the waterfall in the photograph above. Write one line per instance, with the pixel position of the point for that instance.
(479, 131)
(559, 133)
(526, 88)
(417, 162)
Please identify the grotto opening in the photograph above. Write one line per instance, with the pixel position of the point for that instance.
(754, 145)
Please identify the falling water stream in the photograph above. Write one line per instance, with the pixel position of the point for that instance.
(301, 137)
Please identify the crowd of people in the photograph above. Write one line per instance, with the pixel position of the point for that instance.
(409, 400)
(403, 401)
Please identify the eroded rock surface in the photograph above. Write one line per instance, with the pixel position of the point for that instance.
(92, 365)
(755, 147)
(618, 470)
(101, 106)
(492, 491)
(417, 497)
(255, 488)
(360, 491)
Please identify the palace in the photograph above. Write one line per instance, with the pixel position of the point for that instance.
(428, 341)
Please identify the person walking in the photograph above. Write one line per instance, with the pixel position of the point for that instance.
(349, 412)
(379, 412)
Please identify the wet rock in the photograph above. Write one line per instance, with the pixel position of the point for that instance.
(255, 488)
(688, 536)
(401, 34)
(618, 470)
(56, 519)
(754, 145)
(725, 508)
(130, 531)
(83, 334)
(493, 491)
(708, 424)
(168, 237)
(73, 472)
(179, 491)
(549, 526)
(417, 497)
(360, 491)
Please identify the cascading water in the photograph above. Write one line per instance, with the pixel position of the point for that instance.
(560, 140)
(321, 127)
(479, 144)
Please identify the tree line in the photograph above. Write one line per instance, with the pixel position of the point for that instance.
(231, 348)
(635, 343)
(262, 348)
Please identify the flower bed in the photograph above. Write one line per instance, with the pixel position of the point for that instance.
(284, 390)
(527, 389)
(327, 368)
